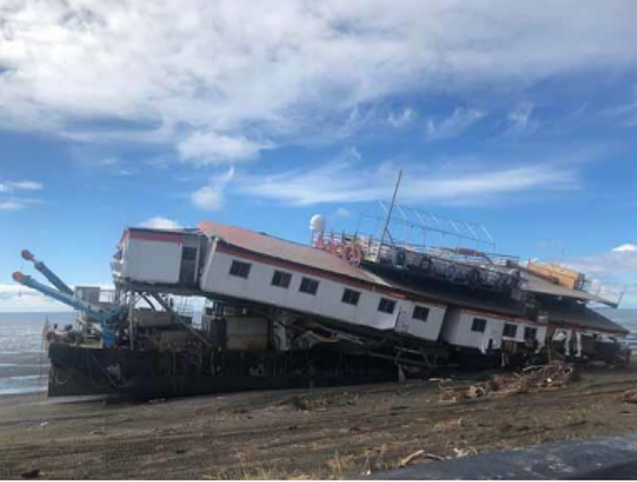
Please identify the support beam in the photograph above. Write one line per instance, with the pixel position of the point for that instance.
(162, 302)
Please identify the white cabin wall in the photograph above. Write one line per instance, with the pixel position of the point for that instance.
(429, 329)
(151, 261)
(326, 303)
(460, 333)
(457, 330)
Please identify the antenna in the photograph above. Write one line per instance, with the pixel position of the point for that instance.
(389, 212)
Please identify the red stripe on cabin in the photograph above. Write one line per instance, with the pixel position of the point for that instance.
(160, 237)
(316, 273)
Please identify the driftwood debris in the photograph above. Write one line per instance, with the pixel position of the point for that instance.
(630, 396)
(553, 375)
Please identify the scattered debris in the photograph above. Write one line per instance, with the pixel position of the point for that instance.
(321, 403)
(419, 454)
(464, 452)
(630, 396)
(551, 376)
(411, 457)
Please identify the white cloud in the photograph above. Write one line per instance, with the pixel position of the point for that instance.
(159, 222)
(212, 148)
(345, 180)
(615, 269)
(18, 298)
(453, 126)
(211, 197)
(275, 70)
(626, 248)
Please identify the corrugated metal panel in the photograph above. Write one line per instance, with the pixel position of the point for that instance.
(277, 248)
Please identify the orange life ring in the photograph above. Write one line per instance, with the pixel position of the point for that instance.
(353, 254)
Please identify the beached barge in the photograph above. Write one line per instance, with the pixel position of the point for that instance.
(350, 308)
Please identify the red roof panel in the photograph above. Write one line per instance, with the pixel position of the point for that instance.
(273, 247)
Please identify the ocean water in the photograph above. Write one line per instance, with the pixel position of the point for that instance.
(628, 319)
(24, 367)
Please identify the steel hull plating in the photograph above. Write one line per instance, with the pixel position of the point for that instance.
(77, 370)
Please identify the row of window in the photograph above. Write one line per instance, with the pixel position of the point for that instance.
(309, 286)
(510, 330)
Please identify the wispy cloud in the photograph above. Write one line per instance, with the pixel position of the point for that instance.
(345, 180)
(342, 212)
(159, 222)
(454, 125)
(402, 118)
(12, 194)
(521, 121)
(11, 205)
(625, 114)
(211, 197)
(10, 186)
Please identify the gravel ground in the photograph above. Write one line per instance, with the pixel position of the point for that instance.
(319, 433)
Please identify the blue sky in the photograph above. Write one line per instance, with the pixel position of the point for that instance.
(521, 116)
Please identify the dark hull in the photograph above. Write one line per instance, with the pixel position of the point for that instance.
(77, 370)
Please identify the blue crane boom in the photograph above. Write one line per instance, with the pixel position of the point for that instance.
(107, 318)
(48, 274)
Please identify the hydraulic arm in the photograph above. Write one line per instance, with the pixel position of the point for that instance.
(107, 318)
(48, 274)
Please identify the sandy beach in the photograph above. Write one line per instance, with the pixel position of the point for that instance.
(320, 433)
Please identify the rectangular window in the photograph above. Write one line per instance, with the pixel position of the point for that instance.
(510, 330)
(420, 313)
(281, 279)
(242, 270)
(479, 325)
(350, 297)
(309, 286)
(386, 306)
(530, 333)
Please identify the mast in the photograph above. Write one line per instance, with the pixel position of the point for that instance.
(389, 213)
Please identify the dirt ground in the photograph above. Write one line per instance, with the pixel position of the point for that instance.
(319, 433)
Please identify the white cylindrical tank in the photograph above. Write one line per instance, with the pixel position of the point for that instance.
(317, 224)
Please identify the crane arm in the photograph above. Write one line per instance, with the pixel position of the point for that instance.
(48, 274)
(106, 317)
